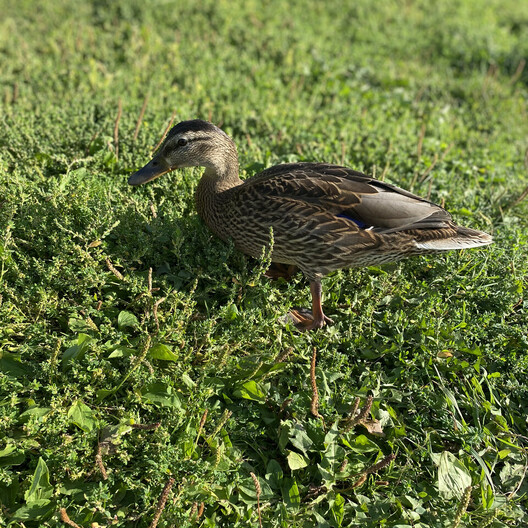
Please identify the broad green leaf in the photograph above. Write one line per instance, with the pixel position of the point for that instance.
(161, 351)
(122, 351)
(453, 477)
(327, 475)
(332, 435)
(82, 416)
(321, 521)
(103, 393)
(188, 381)
(250, 391)
(77, 325)
(69, 487)
(161, 394)
(511, 474)
(296, 461)
(77, 351)
(299, 438)
(274, 474)
(34, 412)
(290, 493)
(125, 319)
(488, 497)
(338, 509)
(34, 511)
(247, 488)
(332, 457)
(11, 364)
(362, 444)
(11, 456)
(231, 312)
(111, 434)
(9, 494)
(334, 454)
(7, 451)
(284, 434)
(40, 487)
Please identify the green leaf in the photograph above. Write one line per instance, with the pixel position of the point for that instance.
(11, 364)
(284, 434)
(34, 511)
(77, 325)
(70, 488)
(36, 412)
(296, 461)
(250, 391)
(161, 394)
(122, 351)
(11, 456)
(338, 509)
(299, 438)
(163, 352)
(103, 393)
(332, 458)
(321, 521)
(487, 495)
(248, 493)
(77, 351)
(40, 487)
(362, 444)
(453, 477)
(188, 381)
(82, 416)
(231, 312)
(274, 474)
(125, 319)
(290, 493)
(111, 434)
(9, 494)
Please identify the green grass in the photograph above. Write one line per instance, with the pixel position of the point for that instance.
(91, 347)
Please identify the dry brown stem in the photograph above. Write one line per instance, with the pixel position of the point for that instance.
(161, 502)
(66, 520)
(110, 266)
(99, 462)
(140, 118)
(146, 427)
(116, 129)
(165, 131)
(258, 489)
(315, 393)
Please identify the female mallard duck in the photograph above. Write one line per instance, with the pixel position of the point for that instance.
(324, 217)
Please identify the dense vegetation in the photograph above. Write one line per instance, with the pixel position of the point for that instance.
(136, 348)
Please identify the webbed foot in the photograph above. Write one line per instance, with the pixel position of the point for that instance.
(304, 321)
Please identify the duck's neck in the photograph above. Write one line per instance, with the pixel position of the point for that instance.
(221, 174)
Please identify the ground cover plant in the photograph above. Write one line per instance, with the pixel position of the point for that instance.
(146, 377)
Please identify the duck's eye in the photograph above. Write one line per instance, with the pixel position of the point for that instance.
(182, 142)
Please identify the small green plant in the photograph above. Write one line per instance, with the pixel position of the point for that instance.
(147, 376)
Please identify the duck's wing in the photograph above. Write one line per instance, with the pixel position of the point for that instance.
(330, 194)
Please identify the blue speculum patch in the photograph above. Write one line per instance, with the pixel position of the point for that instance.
(359, 223)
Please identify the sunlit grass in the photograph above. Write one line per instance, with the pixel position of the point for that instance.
(135, 347)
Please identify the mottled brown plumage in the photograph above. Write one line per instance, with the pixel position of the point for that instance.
(323, 217)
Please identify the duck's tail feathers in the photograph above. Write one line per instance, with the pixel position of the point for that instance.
(465, 238)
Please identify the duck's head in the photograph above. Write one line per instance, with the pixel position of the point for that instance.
(194, 143)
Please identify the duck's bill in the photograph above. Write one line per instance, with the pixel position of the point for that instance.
(152, 170)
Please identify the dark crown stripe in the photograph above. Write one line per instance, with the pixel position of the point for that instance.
(194, 125)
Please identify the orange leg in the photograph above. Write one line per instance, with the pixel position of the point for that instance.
(317, 319)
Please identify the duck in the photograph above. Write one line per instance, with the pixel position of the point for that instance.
(312, 216)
